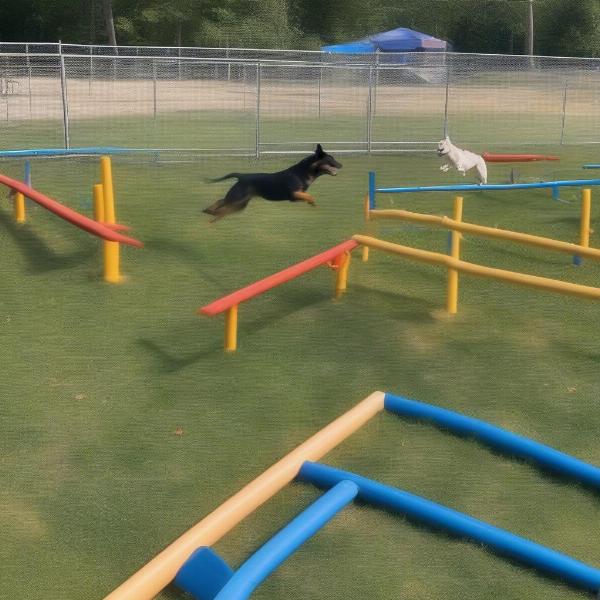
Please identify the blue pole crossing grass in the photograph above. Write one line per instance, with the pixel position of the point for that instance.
(497, 438)
(508, 544)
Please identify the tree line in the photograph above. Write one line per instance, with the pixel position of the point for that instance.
(562, 27)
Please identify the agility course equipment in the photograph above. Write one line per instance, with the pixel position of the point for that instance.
(338, 256)
(200, 571)
(68, 214)
(103, 225)
(512, 158)
(456, 226)
(469, 187)
(341, 252)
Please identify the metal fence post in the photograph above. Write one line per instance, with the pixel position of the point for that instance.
(258, 76)
(564, 113)
(65, 99)
(29, 78)
(91, 71)
(447, 101)
(370, 110)
(154, 107)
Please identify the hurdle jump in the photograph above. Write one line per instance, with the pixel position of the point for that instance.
(579, 250)
(338, 258)
(553, 185)
(194, 566)
(103, 225)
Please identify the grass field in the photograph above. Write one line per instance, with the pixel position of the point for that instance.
(123, 422)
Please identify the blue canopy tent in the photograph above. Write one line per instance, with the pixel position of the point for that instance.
(396, 40)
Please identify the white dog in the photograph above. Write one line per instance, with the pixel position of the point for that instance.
(462, 160)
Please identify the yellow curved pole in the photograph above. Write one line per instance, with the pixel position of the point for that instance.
(161, 570)
(435, 258)
(492, 232)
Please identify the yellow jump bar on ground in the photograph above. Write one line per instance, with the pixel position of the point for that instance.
(435, 258)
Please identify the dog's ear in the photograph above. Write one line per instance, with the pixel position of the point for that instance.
(319, 151)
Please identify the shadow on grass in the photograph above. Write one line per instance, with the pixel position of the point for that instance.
(39, 255)
(288, 302)
(190, 253)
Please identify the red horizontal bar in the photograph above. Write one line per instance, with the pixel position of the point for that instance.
(68, 214)
(489, 157)
(263, 285)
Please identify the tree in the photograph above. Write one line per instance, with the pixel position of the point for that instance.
(109, 20)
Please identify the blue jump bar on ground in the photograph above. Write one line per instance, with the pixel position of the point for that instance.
(497, 438)
(591, 166)
(433, 514)
(490, 186)
(284, 543)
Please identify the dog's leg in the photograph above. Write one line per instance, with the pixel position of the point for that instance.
(304, 197)
(482, 172)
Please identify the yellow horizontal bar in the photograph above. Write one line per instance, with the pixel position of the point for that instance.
(542, 283)
(161, 570)
(492, 232)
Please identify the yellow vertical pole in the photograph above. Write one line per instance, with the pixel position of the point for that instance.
(19, 208)
(584, 224)
(111, 262)
(452, 294)
(365, 249)
(341, 279)
(586, 208)
(99, 203)
(107, 183)
(112, 272)
(231, 321)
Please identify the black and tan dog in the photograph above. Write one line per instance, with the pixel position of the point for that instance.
(290, 184)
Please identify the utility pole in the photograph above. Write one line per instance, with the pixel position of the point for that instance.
(530, 30)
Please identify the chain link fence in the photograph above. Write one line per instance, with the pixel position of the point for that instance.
(251, 102)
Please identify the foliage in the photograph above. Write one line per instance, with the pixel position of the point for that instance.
(563, 27)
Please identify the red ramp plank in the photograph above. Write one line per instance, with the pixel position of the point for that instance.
(70, 215)
(263, 285)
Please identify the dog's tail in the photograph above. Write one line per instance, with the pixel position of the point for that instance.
(229, 176)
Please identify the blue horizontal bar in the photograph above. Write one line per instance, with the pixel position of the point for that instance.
(433, 514)
(591, 166)
(491, 186)
(497, 438)
(67, 151)
(284, 543)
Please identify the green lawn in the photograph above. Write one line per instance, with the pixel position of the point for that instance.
(96, 379)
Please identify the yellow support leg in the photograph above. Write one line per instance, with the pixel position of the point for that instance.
(365, 253)
(99, 203)
(112, 273)
(341, 280)
(586, 209)
(231, 320)
(107, 184)
(19, 208)
(452, 293)
(584, 223)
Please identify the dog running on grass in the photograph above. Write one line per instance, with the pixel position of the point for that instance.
(290, 184)
(462, 160)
